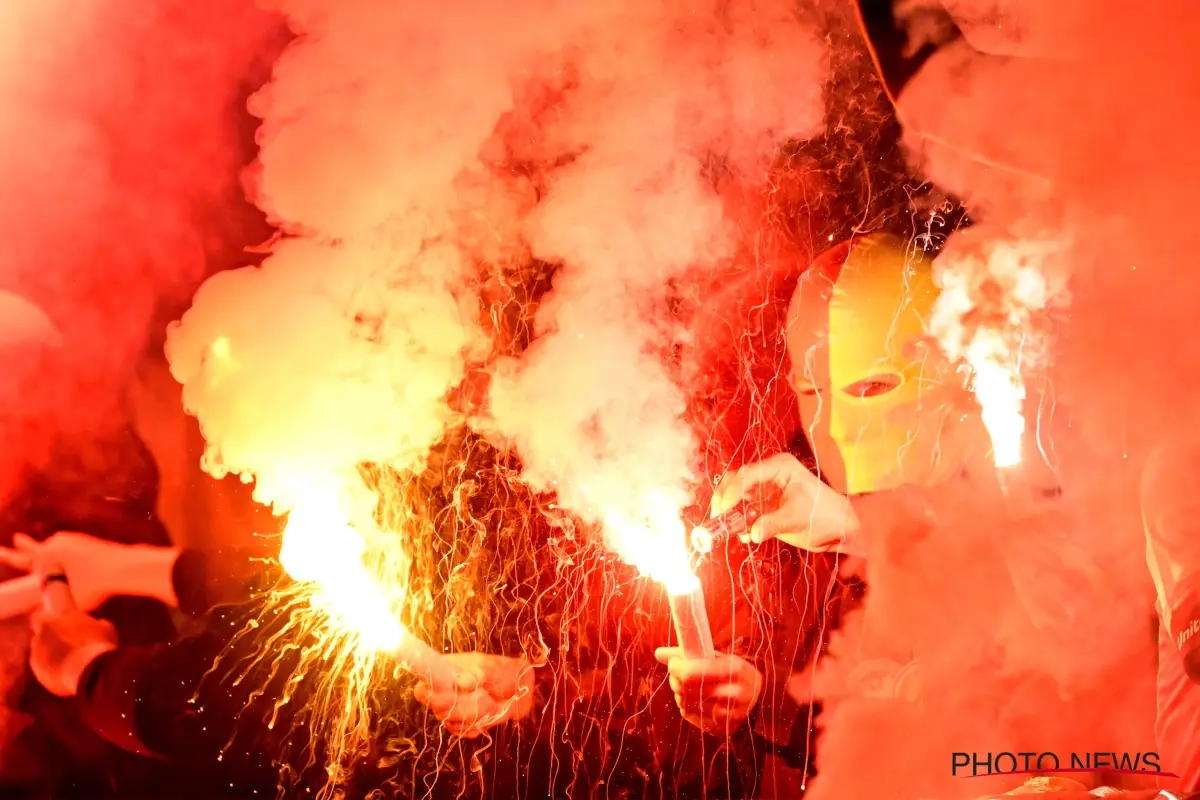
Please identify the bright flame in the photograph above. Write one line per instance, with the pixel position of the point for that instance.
(983, 316)
(997, 384)
(321, 548)
(655, 542)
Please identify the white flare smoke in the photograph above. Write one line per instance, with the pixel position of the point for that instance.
(378, 163)
(593, 407)
(342, 347)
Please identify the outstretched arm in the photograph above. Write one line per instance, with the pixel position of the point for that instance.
(198, 698)
(99, 570)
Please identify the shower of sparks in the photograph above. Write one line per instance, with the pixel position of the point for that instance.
(343, 611)
(321, 548)
(985, 316)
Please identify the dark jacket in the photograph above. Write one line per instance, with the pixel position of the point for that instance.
(212, 700)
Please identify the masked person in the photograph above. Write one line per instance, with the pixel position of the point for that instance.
(866, 386)
(807, 512)
(907, 483)
(72, 466)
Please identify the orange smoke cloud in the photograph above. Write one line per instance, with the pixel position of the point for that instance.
(119, 155)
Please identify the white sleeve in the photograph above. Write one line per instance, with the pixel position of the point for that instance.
(1170, 505)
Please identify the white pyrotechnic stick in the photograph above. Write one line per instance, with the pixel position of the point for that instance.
(21, 596)
(691, 624)
(425, 662)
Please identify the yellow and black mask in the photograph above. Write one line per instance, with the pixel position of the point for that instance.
(874, 395)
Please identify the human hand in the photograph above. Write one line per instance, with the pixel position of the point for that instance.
(714, 694)
(489, 690)
(794, 505)
(96, 569)
(63, 646)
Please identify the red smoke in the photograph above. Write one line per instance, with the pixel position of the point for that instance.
(119, 155)
(1032, 626)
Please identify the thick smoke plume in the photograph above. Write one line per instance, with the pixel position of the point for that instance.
(341, 348)
(1080, 146)
(381, 165)
(118, 156)
(663, 100)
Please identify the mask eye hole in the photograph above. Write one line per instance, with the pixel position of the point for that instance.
(874, 386)
(805, 388)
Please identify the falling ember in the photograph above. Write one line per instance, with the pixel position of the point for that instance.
(985, 316)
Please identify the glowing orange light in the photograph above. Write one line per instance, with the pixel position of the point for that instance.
(983, 316)
(322, 548)
(654, 541)
(998, 386)
(325, 552)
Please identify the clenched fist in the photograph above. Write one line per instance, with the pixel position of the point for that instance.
(714, 694)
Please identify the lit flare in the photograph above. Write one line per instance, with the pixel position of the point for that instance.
(655, 542)
(320, 547)
(983, 316)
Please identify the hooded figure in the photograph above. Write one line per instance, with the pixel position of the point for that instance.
(936, 58)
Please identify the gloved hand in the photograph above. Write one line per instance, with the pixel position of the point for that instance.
(490, 690)
(795, 506)
(63, 646)
(97, 569)
(715, 694)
